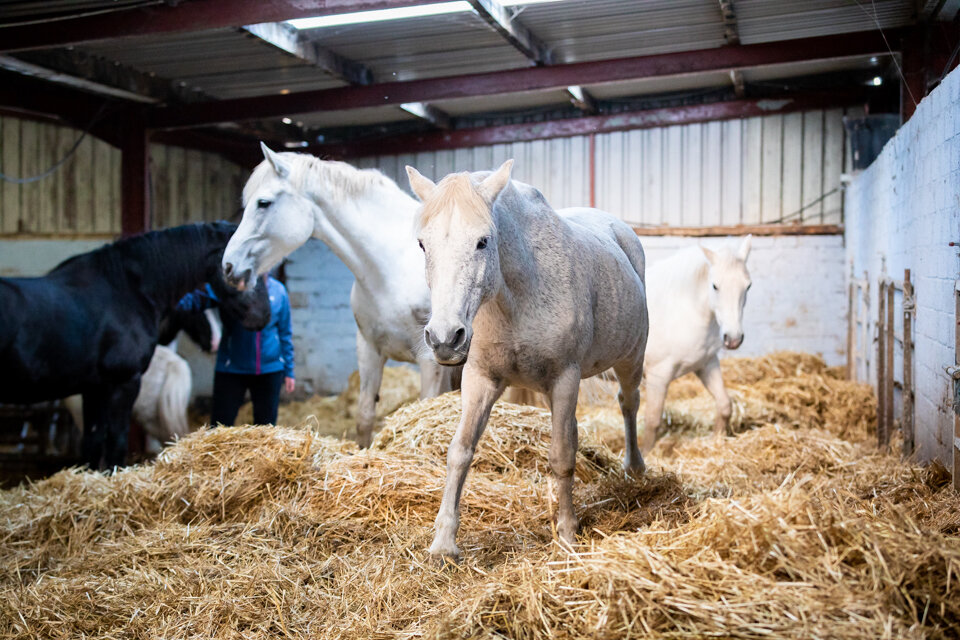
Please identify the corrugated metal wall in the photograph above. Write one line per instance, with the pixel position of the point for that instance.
(750, 171)
(560, 167)
(83, 196)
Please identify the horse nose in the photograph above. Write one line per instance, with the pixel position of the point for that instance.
(732, 341)
(450, 341)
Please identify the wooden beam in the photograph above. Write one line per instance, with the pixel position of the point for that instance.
(731, 32)
(512, 30)
(460, 138)
(287, 39)
(744, 229)
(196, 15)
(520, 80)
(135, 178)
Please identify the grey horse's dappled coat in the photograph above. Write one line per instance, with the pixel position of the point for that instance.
(529, 297)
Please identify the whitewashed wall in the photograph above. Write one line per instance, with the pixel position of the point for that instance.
(901, 214)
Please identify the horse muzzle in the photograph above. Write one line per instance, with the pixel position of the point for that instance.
(237, 278)
(732, 342)
(450, 348)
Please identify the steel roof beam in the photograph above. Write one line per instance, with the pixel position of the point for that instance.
(197, 15)
(512, 30)
(287, 39)
(519, 80)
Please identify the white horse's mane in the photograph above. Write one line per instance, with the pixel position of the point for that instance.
(338, 181)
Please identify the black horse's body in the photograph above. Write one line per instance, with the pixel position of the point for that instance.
(90, 326)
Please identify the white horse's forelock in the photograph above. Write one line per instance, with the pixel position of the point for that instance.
(339, 181)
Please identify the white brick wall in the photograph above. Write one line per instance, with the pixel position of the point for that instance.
(788, 307)
(901, 213)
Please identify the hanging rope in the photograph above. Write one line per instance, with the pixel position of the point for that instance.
(73, 149)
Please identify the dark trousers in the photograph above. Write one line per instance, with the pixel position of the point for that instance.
(229, 390)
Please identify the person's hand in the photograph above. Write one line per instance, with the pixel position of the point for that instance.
(289, 384)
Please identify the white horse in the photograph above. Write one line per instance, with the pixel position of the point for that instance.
(696, 300)
(368, 222)
(161, 404)
(525, 296)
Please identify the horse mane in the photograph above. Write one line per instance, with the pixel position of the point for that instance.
(172, 260)
(456, 192)
(337, 181)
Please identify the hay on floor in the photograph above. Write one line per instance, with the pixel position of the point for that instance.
(785, 531)
(337, 415)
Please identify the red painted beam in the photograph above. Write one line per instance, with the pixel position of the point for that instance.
(520, 80)
(459, 138)
(195, 15)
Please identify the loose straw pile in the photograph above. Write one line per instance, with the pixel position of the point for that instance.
(786, 530)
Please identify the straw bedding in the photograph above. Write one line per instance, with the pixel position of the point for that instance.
(337, 415)
(787, 530)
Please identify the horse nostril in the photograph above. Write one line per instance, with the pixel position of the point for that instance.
(228, 268)
(458, 337)
(428, 338)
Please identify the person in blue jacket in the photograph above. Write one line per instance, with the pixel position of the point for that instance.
(258, 361)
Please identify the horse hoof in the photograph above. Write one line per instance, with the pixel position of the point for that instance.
(635, 470)
(443, 555)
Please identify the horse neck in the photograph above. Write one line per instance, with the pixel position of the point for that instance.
(168, 265)
(372, 233)
(518, 220)
(697, 274)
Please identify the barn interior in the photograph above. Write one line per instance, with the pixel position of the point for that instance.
(827, 130)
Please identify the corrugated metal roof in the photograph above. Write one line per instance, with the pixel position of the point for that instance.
(424, 47)
(15, 10)
(772, 20)
(224, 63)
(354, 117)
(578, 31)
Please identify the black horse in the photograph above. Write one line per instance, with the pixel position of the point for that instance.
(91, 325)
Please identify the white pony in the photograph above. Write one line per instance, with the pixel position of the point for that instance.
(161, 405)
(368, 222)
(696, 300)
(525, 296)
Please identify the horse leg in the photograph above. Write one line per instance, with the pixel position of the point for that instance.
(712, 378)
(433, 378)
(563, 449)
(370, 365)
(120, 410)
(656, 393)
(478, 393)
(629, 397)
(94, 427)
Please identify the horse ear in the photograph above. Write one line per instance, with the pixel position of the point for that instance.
(493, 184)
(279, 164)
(420, 184)
(710, 255)
(744, 249)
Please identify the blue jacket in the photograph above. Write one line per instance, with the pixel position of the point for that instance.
(251, 352)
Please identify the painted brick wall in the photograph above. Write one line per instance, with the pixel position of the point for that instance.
(901, 213)
(788, 308)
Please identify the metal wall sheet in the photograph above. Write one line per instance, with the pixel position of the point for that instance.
(779, 168)
(559, 167)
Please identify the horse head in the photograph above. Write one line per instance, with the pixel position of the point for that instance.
(458, 235)
(728, 281)
(278, 218)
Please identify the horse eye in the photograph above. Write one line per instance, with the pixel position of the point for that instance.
(716, 288)
(748, 287)
(263, 204)
(421, 246)
(482, 243)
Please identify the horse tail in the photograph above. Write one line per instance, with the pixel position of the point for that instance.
(174, 398)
